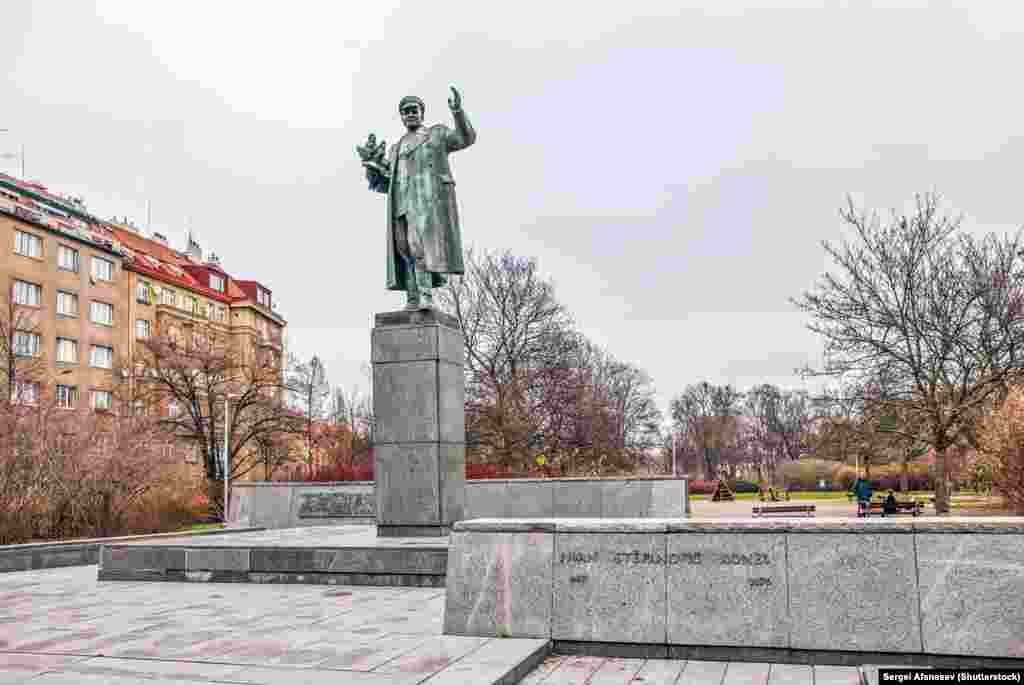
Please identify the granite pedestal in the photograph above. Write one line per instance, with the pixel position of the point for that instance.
(419, 436)
(927, 590)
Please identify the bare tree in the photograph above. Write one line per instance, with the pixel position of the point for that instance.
(68, 472)
(635, 416)
(705, 414)
(189, 379)
(351, 414)
(20, 349)
(933, 312)
(310, 392)
(515, 332)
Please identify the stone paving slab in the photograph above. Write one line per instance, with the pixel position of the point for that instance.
(63, 626)
(589, 670)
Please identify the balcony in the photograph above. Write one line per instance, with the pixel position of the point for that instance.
(198, 314)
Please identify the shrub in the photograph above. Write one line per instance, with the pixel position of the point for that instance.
(324, 473)
(702, 487)
(1002, 446)
(177, 500)
(805, 474)
(487, 471)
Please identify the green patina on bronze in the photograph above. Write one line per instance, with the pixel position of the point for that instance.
(417, 178)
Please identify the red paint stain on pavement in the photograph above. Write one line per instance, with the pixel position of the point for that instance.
(423, 664)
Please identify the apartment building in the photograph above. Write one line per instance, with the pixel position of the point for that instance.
(96, 287)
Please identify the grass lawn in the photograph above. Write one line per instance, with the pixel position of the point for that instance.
(826, 495)
(200, 527)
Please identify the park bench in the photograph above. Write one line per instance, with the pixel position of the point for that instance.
(911, 507)
(765, 509)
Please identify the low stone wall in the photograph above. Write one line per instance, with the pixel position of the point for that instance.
(924, 587)
(291, 505)
(41, 555)
(578, 498)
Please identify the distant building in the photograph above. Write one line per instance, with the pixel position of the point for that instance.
(101, 286)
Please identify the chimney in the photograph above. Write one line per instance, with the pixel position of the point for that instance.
(160, 238)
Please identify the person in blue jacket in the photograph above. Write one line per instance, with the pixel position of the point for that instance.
(862, 491)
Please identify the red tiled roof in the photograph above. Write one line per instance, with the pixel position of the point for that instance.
(170, 266)
(174, 267)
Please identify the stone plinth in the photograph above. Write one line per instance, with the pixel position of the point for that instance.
(782, 590)
(419, 435)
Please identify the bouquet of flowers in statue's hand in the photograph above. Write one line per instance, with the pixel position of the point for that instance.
(372, 156)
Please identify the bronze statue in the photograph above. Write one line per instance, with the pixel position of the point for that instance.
(424, 241)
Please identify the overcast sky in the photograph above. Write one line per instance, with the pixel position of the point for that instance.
(673, 166)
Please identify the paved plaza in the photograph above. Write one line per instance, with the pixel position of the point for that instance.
(585, 670)
(62, 626)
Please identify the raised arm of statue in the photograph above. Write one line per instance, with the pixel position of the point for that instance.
(462, 135)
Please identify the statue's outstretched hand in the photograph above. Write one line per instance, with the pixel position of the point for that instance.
(455, 101)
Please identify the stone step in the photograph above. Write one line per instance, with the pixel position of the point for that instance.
(343, 555)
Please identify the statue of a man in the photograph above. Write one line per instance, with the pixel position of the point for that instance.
(424, 242)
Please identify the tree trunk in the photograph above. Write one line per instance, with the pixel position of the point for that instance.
(215, 493)
(941, 484)
(905, 473)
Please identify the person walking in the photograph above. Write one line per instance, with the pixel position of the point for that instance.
(862, 491)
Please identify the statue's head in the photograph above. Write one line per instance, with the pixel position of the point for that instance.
(411, 109)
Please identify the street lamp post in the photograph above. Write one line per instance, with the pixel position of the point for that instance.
(227, 452)
(675, 467)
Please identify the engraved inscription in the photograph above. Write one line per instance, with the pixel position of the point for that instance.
(578, 579)
(577, 558)
(759, 582)
(692, 558)
(336, 505)
(735, 559)
(638, 558)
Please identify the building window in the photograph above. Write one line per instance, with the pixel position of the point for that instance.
(102, 399)
(67, 351)
(141, 329)
(102, 269)
(169, 297)
(219, 313)
(101, 357)
(27, 344)
(28, 244)
(138, 408)
(101, 313)
(27, 293)
(172, 409)
(67, 303)
(217, 282)
(143, 292)
(67, 396)
(67, 258)
(191, 305)
(27, 393)
(263, 297)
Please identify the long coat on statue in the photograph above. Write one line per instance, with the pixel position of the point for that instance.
(429, 200)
